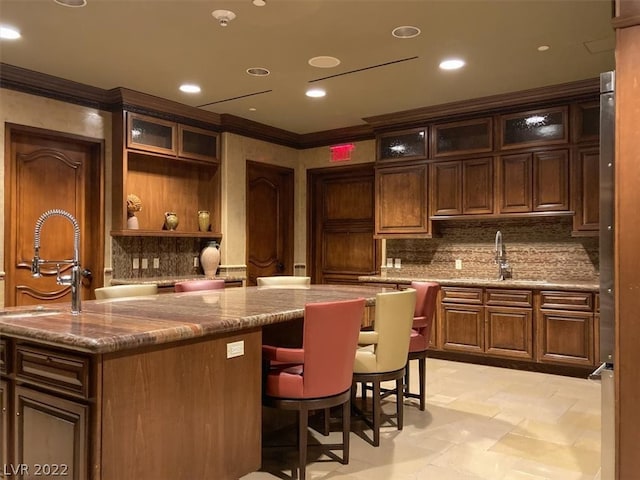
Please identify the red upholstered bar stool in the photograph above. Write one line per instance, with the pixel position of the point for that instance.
(193, 285)
(426, 296)
(387, 359)
(317, 376)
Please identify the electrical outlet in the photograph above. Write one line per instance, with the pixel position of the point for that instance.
(145, 263)
(136, 263)
(156, 262)
(397, 263)
(389, 262)
(196, 261)
(458, 264)
(235, 349)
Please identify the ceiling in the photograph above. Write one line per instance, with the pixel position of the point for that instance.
(153, 46)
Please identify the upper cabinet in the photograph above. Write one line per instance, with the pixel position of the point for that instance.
(170, 167)
(459, 138)
(585, 120)
(534, 128)
(402, 145)
(155, 135)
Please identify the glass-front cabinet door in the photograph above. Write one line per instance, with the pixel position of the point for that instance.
(151, 134)
(404, 145)
(198, 144)
(538, 127)
(459, 138)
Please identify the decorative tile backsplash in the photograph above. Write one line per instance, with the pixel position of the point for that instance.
(536, 249)
(176, 256)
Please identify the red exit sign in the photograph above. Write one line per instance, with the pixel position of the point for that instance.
(341, 153)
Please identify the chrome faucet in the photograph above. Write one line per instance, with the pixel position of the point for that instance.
(504, 270)
(74, 278)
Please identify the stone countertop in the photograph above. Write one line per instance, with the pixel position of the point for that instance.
(169, 281)
(588, 285)
(127, 323)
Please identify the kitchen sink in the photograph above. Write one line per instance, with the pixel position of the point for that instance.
(32, 312)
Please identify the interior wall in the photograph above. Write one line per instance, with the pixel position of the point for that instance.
(34, 111)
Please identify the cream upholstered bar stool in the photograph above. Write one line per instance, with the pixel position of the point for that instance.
(387, 359)
(197, 285)
(119, 291)
(283, 281)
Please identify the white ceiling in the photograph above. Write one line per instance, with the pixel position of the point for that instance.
(153, 46)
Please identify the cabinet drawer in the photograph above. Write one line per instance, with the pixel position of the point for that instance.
(509, 298)
(3, 356)
(471, 296)
(59, 371)
(582, 301)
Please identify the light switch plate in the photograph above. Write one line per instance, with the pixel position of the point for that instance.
(136, 263)
(458, 264)
(397, 263)
(389, 262)
(156, 262)
(145, 263)
(235, 349)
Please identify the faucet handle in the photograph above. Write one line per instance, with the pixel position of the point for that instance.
(35, 267)
(62, 279)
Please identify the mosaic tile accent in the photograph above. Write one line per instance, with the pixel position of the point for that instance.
(540, 248)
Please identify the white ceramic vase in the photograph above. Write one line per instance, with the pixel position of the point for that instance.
(210, 258)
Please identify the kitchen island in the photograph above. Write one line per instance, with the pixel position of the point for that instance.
(162, 387)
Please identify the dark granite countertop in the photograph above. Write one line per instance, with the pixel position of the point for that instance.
(128, 323)
(578, 285)
(169, 281)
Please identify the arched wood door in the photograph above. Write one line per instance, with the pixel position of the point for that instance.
(269, 221)
(47, 170)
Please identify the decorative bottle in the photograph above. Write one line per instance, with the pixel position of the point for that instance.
(170, 220)
(203, 220)
(210, 258)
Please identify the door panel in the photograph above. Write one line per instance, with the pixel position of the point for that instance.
(45, 170)
(269, 221)
(341, 242)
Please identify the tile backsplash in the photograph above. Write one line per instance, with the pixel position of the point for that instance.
(175, 254)
(536, 249)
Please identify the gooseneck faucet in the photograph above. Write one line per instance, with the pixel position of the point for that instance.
(74, 279)
(500, 257)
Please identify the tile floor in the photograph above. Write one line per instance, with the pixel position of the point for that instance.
(481, 423)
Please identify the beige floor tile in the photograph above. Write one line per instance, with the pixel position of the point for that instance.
(481, 423)
(549, 453)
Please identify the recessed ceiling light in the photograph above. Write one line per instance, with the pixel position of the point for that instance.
(71, 3)
(451, 64)
(258, 71)
(189, 88)
(9, 33)
(324, 61)
(252, 109)
(405, 31)
(315, 93)
(259, 3)
(543, 48)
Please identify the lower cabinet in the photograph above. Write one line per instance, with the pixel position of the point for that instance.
(4, 435)
(495, 322)
(51, 435)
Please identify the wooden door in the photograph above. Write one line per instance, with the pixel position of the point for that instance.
(462, 328)
(269, 221)
(585, 191)
(47, 170)
(341, 224)
(508, 332)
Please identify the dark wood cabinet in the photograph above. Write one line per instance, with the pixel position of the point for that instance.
(585, 189)
(4, 419)
(463, 187)
(551, 181)
(462, 319)
(154, 155)
(51, 432)
(460, 138)
(565, 328)
(401, 201)
(509, 323)
(585, 119)
(534, 182)
(534, 128)
(402, 145)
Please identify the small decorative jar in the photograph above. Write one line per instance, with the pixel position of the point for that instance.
(204, 223)
(170, 220)
(210, 258)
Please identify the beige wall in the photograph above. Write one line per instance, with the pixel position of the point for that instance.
(30, 110)
(24, 109)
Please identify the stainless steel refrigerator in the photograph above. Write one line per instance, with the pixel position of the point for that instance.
(607, 313)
